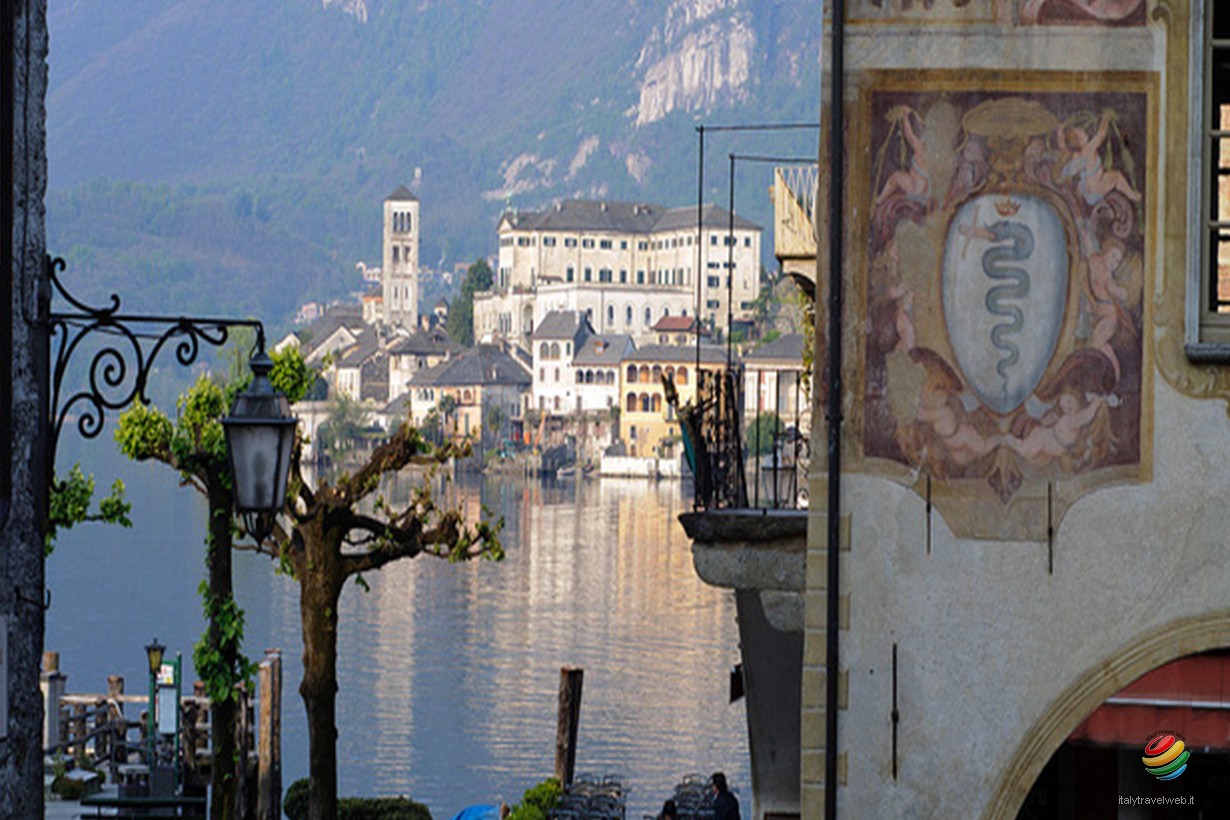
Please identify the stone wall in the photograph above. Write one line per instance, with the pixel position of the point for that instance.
(21, 551)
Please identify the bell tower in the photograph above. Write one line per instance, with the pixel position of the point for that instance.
(399, 276)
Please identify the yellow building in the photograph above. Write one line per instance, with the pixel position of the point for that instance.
(647, 424)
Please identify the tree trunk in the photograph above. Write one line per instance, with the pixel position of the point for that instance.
(223, 783)
(320, 587)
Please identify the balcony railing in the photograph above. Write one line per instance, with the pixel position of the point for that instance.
(727, 442)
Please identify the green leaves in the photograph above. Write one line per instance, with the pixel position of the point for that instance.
(144, 433)
(69, 505)
(226, 619)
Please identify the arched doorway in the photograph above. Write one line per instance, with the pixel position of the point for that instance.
(1086, 752)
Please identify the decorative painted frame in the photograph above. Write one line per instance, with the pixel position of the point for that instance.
(1005, 265)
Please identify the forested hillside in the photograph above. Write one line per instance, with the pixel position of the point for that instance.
(231, 155)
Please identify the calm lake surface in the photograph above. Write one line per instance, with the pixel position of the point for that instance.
(448, 674)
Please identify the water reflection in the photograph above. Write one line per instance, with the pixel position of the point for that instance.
(449, 673)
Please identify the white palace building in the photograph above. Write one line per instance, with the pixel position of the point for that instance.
(623, 265)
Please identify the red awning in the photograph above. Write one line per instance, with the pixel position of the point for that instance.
(1190, 697)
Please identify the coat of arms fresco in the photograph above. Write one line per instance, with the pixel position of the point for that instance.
(1006, 275)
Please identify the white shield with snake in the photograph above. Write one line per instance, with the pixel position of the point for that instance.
(1005, 287)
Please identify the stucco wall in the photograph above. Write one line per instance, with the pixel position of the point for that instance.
(1004, 643)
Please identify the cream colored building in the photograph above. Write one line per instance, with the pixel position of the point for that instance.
(624, 265)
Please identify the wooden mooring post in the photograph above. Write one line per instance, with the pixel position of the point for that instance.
(570, 681)
(269, 737)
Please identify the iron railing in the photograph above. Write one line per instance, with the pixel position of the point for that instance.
(734, 430)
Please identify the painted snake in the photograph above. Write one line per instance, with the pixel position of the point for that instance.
(995, 264)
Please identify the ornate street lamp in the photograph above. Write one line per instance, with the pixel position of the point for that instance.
(260, 433)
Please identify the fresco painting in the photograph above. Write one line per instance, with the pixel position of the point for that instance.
(1022, 12)
(1082, 12)
(923, 10)
(1005, 284)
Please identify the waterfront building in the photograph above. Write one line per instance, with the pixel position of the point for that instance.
(678, 330)
(482, 388)
(648, 425)
(596, 371)
(624, 265)
(411, 352)
(554, 344)
(773, 382)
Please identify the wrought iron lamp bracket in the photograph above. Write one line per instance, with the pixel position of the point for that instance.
(118, 372)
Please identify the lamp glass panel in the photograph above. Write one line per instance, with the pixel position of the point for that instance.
(254, 456)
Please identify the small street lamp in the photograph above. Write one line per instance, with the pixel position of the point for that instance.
(260, 433)
(153, 652)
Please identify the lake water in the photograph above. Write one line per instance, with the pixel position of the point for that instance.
(448, 674)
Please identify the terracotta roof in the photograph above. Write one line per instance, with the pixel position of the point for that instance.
(677, 324)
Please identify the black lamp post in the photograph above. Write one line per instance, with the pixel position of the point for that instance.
(260, 433)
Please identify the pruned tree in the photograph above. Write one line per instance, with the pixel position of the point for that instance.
(340, 530)
(194, 445)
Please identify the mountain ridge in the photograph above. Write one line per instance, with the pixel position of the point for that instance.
(316, 111)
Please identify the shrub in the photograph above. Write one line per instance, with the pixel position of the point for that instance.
(295, 806)
(538, 801)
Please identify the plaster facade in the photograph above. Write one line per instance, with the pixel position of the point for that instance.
(1007, 589)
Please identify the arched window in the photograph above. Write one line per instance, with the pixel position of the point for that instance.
(648, 316)
(666, 311)
(681, 375)
(631, 374)
(628, 315)
(644, 402)
(579, 377)
(644, 373)
(610, 377)
(670, 374)
(631, 403)
(657, 403)
(657, 374)
(610, 314)
(543, 350)
(554, 350)
(466, 397)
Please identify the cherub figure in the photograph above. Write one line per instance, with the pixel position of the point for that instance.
(1093, 181)
(1111, 10)
(940, 408)
(914, 182)
(1059, 430)
(1108, 295)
